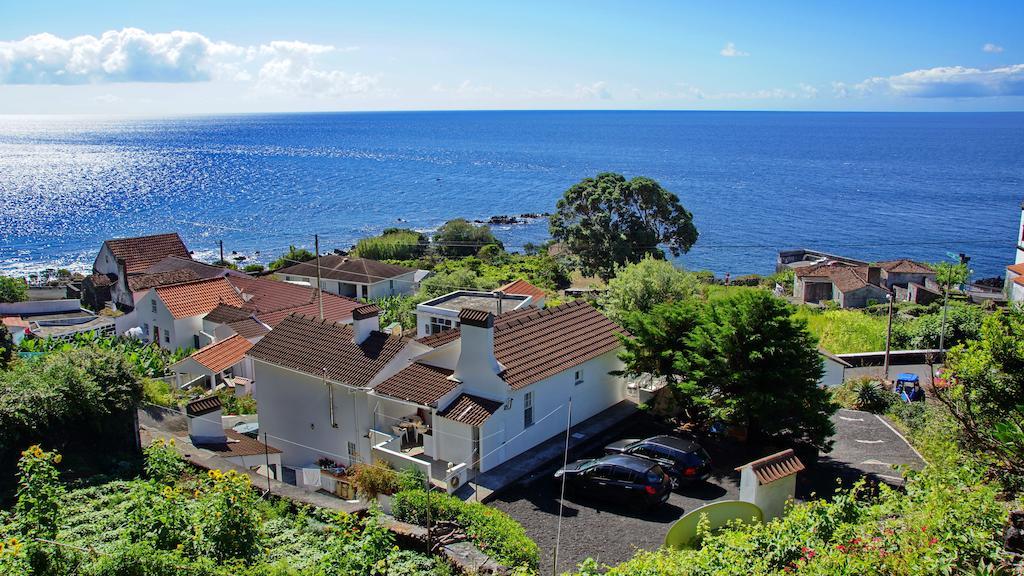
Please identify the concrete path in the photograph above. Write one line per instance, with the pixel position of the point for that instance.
(485, 486)
(867, 444)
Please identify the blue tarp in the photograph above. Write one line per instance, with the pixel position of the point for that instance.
(907, 377)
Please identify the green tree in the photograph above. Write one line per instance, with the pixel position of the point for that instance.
(6, 347)
(608, 221)
(292, 256)
(459, 238)
(640, 286)
(986, 395)
(252, 268)
(13, 289)
(950, 275)
(963, 323)
(393, 244)
(761, 368)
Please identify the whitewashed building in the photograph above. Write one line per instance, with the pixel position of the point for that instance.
(353, 277)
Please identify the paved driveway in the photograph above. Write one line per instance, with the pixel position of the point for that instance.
(864, 444)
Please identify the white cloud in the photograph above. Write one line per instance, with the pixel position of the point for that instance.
(686, 91)
(992, 48)
(134, 55)
(943, 82)
(730, 51)
(597, 90)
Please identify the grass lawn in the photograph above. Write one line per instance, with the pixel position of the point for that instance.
(845, 331)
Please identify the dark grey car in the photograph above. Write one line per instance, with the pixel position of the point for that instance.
(682, 458)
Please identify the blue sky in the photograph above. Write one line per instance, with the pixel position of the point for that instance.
(210, 57)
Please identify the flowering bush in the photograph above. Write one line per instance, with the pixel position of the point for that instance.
(163, 463)
(227, 520)
(945, 522)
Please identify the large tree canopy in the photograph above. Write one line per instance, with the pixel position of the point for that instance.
(459, 238)
(608, 221)
(640, 286)
(742, 360)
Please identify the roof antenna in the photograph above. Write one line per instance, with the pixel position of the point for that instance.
(319, 292)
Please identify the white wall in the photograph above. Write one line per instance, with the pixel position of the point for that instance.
(834, 372)
(294, 407)
(599, 391)
(454, 441)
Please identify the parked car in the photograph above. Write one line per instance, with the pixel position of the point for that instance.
(620, 478)
(682, 458)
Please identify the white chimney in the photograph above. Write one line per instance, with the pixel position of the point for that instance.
(476, 338)
(204, 421)
(365, 321)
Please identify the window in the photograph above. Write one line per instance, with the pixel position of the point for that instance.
(391, 285)
(153, 305)
(365, 290)
(353, 454)
(195, 341)
(438, 325)
(578, 377)
(167, 336)
(528, 410)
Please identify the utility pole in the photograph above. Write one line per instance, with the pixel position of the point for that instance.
(561, 499)
(942, 328)
(891, 296)
(319, 293)
(221, 242)
(266, 455)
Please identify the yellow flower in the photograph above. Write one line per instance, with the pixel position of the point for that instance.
(57, 459)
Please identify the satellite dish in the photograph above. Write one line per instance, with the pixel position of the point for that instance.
(683, 534)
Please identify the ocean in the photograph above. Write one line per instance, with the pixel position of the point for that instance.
(868, 185)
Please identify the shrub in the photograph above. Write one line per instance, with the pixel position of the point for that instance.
(493, 531)
(459, 238)
(228, 523)
(13, 289)
(163, 463)
(864, 394)
(253, 268)
(374, 479)
(393, 244)
(411, 479)
(640, 286)
(159, 392)
(292, 256)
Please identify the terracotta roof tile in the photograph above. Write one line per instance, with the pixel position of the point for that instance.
(140, 252)
(356, 270)
(311, 346)
(1016, 268)
(140, 282)
(272, 301)
(905, 266)
(475, 317)
(523, 287)
(239, 445)
(418, 383)
(203, 405)
(844, 276)
(469, 409)
(222, 355)
(775, 467)
(532, 344)
(249, 328)
(224, 313)
(197, 298)
(367, 311)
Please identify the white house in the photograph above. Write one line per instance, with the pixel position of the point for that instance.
(442, 313)
(313, 381)
(172, 316)
(466, 399)
(353, 277)
(122, 258)
(206, 431)
(215, 364)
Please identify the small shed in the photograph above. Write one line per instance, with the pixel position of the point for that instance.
(770, 482)
(211, 364)
(204, 420)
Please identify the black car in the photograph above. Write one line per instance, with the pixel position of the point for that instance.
(619, 478)
(682, 458)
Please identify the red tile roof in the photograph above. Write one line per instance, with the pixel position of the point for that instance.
(141, 252)
(248, 328)
(532, 344)
(272, 301)
(1016, 268)
(844, 276)
(905, 266)
(355, 270)
(469, 409)
(224, 313)
(310, 345)
(418, 383)
(197, 298)
(523, 287)
(222, 355)
(775, 467)
(140, 282)
(238, 444)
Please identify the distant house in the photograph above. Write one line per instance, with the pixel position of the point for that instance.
(122, 258)
(442, 313)
(834, 368)
(859, 285)
(353, 277)
(215, 364)
(453, 404)
(524, 288)
(194, 314)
